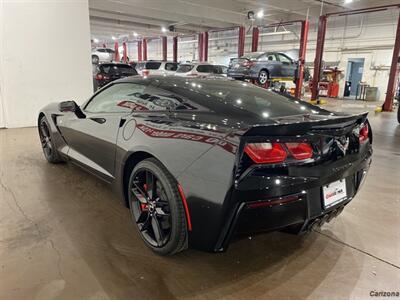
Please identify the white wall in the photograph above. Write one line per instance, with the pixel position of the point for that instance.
(44, 56)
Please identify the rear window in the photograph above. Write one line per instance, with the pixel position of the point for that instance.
(110, 51)
(205, 69)
(171, 66)
(184, 68)
(152, 65)
(239, 99)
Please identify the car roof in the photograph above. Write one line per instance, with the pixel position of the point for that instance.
(114, 64)
(224, 103)
(158, 61)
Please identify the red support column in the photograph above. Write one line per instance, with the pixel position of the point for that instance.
(242, 36)
(200, 47)
(254, 39)
(318, 56)
(388, 105)
(164, 48)
(144, 49)
(175, 49)
(302, 58)
(139, 49)
(205, 46)
(125, 53)
(116, 55)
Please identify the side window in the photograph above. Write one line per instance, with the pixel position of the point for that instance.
(116, 98)
(284, 59)
(101, 50)
(267, 57)
(127, 97)
(171, 66)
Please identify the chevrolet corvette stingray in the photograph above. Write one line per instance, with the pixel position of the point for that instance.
(199, 161)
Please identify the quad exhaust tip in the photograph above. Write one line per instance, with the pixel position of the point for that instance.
(318, 222)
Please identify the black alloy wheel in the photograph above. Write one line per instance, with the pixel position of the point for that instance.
(263, 77)
(156, 207)
(49, 150)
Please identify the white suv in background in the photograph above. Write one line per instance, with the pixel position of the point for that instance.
(102, 55)
(200, 70)
(156, 67)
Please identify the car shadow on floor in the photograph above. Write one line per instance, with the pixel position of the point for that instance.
(99, 227)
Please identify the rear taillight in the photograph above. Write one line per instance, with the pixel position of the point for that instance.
(145, 72)
(248, 64)
(99, 77)
(266, 153)
(364, 133)
(300, 151)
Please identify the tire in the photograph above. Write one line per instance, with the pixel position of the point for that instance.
(95, 59)
(164, 214)
(46, 139)
(263, 77)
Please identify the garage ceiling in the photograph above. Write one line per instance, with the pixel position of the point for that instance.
(120, 18)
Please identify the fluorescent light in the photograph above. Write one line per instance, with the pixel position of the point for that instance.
(135, 34)
(348, 1)
(260, 14)
(96, 40)
(276, 33)
(113, 38)
(163, 29)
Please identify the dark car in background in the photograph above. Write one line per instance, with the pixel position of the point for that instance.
(263, 66)
(197, 160)
(112, 71)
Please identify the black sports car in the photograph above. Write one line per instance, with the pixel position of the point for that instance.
(198, 161)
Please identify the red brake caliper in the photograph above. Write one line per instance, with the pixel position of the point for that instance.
(143, 206)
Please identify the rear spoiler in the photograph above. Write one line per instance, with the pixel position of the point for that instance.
(295, 126)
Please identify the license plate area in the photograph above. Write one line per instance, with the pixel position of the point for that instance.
(334, 193)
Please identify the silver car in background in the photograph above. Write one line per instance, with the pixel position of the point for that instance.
(200, 70)
(156, 67)
(102, 55)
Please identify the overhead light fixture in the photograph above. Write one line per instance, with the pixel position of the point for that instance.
(113, 38)
(163, 29)
(260, 14)
(276, 33)
(348, 1)
(95, 40)
(135, 34)
(250, 15)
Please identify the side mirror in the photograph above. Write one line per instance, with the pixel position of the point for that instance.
(71, 106)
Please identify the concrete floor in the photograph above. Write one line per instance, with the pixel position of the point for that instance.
(64, 235)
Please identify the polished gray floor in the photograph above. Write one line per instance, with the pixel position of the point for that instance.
(64, 235)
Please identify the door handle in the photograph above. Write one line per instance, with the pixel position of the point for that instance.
(98, 120)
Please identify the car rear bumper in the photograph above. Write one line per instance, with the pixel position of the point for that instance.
(306, 211)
